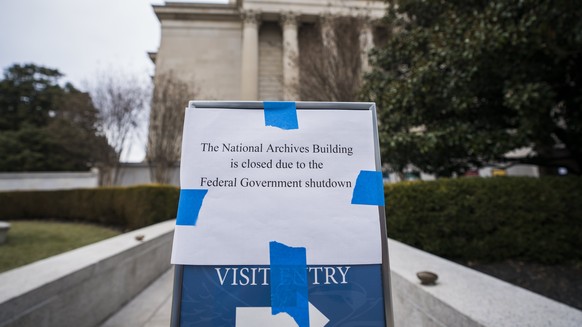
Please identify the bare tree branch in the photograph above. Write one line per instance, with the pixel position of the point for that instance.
(121, 101)
(170, 98)
(330, 60)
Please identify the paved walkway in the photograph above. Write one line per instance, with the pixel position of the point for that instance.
(151, 308)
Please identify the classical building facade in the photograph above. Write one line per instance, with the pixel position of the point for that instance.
(248, 49)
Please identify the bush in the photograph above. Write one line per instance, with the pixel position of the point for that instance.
(125, 207)
(491, 219)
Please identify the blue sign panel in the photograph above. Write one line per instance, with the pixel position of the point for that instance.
(337, 296)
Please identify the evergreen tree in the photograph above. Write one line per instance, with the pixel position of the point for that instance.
(45, 126)
(463, 82)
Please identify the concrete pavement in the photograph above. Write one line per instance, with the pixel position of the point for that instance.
(151, 308)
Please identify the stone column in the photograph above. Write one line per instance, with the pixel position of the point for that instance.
(327, 30)
(250, 56)
(366, 43)
(290, 56)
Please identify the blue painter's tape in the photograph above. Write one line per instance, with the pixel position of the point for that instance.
(289, 282)
(369, 188)
(281, 114)
(189, 206)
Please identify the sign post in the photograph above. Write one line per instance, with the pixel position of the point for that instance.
(281, 217)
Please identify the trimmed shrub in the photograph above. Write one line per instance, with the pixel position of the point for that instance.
(479, 219)
(490, 219)
(127, 207)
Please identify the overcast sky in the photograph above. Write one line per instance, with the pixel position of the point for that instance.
(81, 38)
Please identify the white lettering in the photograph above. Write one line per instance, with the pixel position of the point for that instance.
(329, 276)
(234, 276)
(220, 278)
(315, 280)
(343, 273)
(254, 271)
(264, 275)
(244, 276)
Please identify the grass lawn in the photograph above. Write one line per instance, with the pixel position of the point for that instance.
(29, 241)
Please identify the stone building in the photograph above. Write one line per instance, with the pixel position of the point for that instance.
(245, 50)
(248, 49)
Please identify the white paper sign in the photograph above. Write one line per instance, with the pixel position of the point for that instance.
(269, 184)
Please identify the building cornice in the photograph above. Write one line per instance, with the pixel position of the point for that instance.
(309, 10)
(197, 11)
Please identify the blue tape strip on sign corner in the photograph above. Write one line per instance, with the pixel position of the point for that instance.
(189, 206)
(289, 282)
(281, 114)
(369, 188)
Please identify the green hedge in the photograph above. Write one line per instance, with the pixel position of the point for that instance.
(490, 219)
(483, 219)
(125, 207)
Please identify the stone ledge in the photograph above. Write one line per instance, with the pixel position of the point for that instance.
(85, 286)
(45, 181)
(50, 175)
(465, 297)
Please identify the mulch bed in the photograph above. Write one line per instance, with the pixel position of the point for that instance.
(562, 283)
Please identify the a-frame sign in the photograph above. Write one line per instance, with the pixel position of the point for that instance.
(281, 217)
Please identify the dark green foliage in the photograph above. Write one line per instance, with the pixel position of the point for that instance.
(461, 83)
(536, 220)
(45, 126)
(28, 95)
(125, 207)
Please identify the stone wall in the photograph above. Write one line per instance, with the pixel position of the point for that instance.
(83, 287)
(205, 54)
(48, 180)
(464, 297)
(139, 173)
